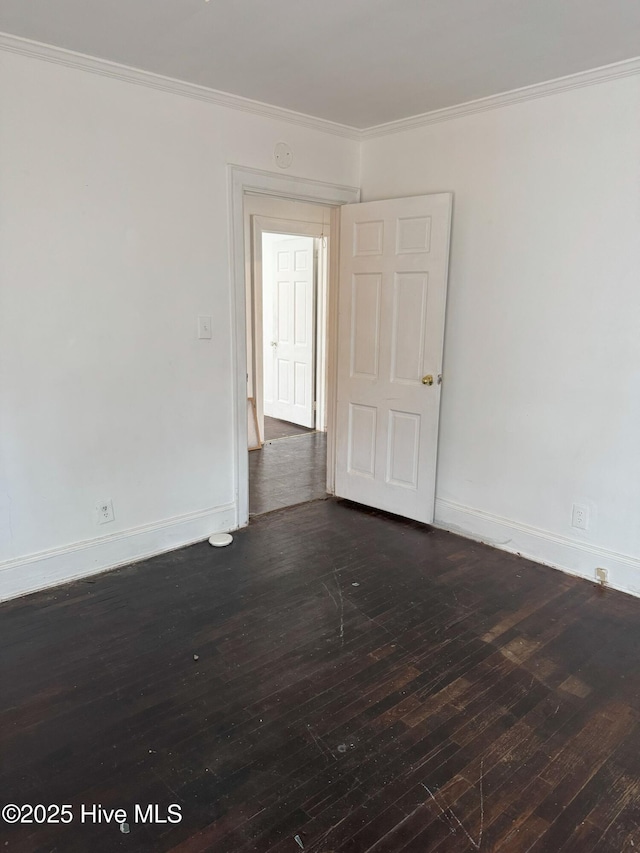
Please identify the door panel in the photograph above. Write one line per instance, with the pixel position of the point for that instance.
(391, 306)
(365, 325)
(408, 327)
(289, 366)
(362, 440)
(403, 449)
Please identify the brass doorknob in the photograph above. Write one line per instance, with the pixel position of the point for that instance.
(427, 380)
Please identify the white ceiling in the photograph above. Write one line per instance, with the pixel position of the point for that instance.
(357, 62)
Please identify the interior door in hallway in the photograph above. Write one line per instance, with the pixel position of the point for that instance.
(289, 308)
(391, 310)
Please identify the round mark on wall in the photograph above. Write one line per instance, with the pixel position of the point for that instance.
(283, 155)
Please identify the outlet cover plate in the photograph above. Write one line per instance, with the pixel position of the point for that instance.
(580, 517)
(104, 512)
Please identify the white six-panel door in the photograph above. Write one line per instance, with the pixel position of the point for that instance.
(392, 295)
(289, 332)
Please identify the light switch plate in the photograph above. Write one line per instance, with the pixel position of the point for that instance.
(204, 327)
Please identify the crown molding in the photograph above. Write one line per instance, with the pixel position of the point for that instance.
(604, 74)
(106, 68)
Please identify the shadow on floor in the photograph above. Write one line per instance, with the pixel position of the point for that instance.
(288, 471)
(274, 428)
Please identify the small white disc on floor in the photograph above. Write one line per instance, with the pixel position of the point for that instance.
(219, 540)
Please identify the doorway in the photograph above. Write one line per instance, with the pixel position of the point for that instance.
(289, 270)
(385, 384)
(250, 189)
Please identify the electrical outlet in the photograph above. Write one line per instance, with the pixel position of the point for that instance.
(580, 517)
(602, 576)
(104, 511)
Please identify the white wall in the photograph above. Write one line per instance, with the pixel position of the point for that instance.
(541, 401)
(113, 238)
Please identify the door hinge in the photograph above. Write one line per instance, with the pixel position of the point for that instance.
(315, 405)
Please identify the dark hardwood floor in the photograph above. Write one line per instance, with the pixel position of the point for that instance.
(335, 680)
(288, 471)
(275, 429)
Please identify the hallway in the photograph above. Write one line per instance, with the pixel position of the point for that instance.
(287, 471)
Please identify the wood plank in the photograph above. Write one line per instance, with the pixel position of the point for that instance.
(345, 660)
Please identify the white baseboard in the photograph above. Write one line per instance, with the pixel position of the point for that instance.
(51, 568)
(59, 565)
(569, 555)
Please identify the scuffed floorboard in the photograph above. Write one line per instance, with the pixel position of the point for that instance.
(336, 680)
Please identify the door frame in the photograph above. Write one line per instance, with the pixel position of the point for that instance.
(293, 228)
(243, 181)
